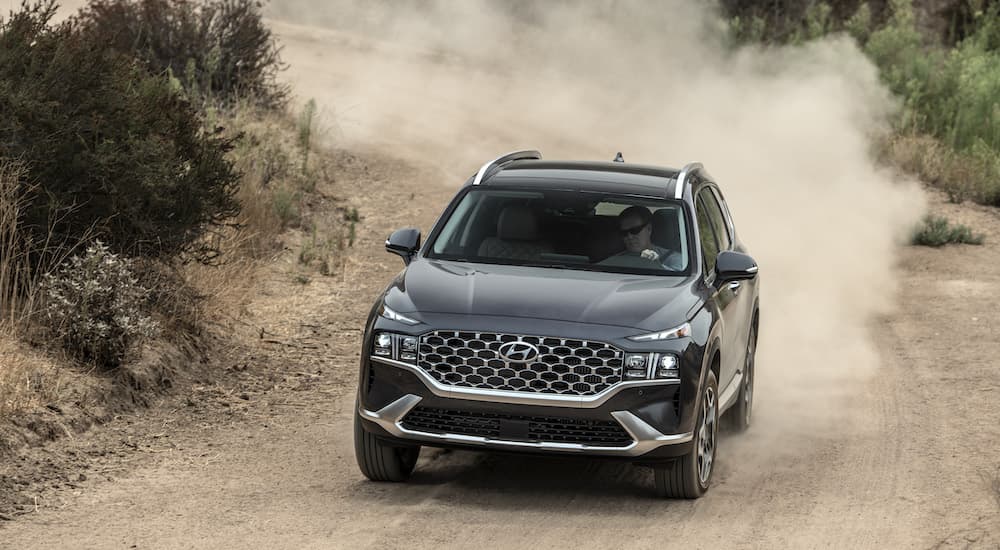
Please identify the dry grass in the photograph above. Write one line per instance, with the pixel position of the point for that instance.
(28, 378)
(276, 181)
(15, 273)
(962, 175)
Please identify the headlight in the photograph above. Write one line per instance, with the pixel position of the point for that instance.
(395, 346)
(655, 366)
(388, 313)
(668, 366)
(678, 332)
(383, 344)
(635, 366)
(408, 349)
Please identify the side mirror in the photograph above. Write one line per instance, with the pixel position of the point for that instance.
(404, 242)
(734, 266)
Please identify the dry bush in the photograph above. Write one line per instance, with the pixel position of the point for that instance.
(107, 147)
(215, 49)
(96, 307)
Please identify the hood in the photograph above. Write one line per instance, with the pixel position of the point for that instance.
(636, 301)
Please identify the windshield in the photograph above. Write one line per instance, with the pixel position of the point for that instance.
(566, 229)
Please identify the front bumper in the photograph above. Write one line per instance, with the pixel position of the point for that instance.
(648, 413)
(645, 438)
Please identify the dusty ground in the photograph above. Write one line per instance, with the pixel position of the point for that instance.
(262, 457)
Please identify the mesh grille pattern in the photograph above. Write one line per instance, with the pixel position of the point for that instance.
(561, 366)
(539, 428)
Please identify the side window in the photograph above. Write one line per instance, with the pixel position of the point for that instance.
(725, 209)
(709, 246)
(718, 221)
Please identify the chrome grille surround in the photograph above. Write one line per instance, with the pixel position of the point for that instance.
(562, 366)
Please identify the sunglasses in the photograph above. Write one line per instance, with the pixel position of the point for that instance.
(634, 230)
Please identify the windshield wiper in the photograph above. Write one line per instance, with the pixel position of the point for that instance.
(552, 266)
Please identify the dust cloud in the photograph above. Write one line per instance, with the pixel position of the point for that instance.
(787, 132)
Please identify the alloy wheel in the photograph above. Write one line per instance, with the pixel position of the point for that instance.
(706, 435)
(748, 374)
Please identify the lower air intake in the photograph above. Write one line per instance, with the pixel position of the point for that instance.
(606, 433)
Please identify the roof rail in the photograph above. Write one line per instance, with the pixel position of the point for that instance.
(498, 162)
(682, 178)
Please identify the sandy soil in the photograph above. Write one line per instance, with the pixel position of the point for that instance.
(262, 458)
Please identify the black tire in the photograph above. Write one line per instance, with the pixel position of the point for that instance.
(685, 477)
(739, 415)
(380, 461)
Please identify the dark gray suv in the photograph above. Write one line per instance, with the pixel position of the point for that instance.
(602, 309)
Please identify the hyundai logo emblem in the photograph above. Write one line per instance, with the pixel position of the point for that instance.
(518, 352)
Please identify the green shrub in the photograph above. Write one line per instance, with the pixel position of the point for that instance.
(950, 94)
(937, 231)
(109, 150)
(94, 307)
(215, 49)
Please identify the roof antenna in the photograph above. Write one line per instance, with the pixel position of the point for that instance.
(619, 157)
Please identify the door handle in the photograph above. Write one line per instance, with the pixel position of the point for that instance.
(735, 287)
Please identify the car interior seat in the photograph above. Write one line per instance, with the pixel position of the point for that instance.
(517, 235)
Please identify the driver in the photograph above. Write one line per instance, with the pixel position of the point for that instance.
(635, 224)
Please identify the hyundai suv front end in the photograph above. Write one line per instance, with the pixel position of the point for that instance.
(574, 308)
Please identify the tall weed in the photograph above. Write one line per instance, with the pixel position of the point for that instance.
(14, 268)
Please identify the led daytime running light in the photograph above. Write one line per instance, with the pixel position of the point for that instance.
(394, 316)
(682, 331)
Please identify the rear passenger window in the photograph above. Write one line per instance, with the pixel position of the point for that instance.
(718, 222)
(709, 246)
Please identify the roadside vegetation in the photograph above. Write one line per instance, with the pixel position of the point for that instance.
(150, 157)
(941, 59)
(149, 160)
(938, 231)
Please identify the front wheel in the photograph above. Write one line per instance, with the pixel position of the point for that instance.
(690, 475)
(380, 461)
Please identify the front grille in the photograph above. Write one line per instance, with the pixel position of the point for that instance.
(512, 427)
(561, 366)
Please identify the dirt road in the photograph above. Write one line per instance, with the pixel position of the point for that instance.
(264, 458)
(276, 470)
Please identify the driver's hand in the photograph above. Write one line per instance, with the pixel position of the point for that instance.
(650, 254)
